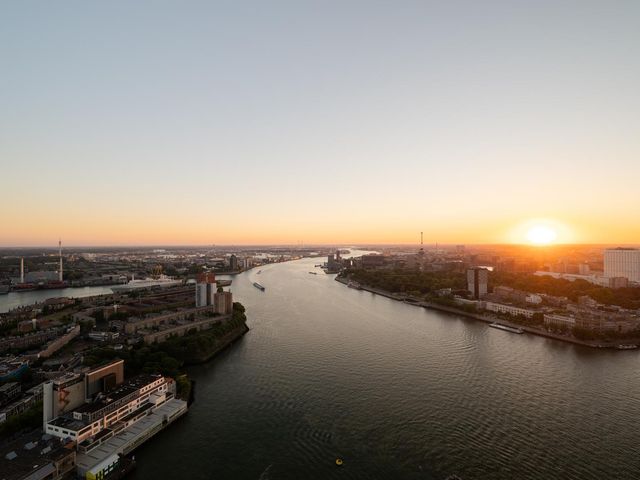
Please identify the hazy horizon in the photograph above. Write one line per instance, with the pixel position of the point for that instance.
(356, 122)
(54, 247)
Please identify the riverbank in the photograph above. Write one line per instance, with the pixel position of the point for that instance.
(222, 343)
(480, 317)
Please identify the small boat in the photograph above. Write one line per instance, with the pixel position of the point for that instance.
(259, 272)
(507, 328)
(258, 286)
(626, 347)
(355, 285)
(313, 273)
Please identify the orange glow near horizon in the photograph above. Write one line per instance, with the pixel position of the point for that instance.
(545, 231)
(133, 229)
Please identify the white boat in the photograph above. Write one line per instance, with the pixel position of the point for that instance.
(161, 282)
(507, 328)
(627, 347)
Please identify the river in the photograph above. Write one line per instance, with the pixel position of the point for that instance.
(398, 392)
(12, 300)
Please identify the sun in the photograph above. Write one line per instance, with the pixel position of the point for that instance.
(541, 235)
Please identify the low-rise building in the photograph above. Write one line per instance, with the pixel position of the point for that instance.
(558, 320)
(20, 342)
(9, 391)
(35, 456)
(510, 309)
(181, 329)
(594, 278)
(603, 320)
(101, 336)
(22, 404)
(171, 318)
(56, 344)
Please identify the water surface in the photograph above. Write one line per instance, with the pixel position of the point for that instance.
(398, 392)
(12, 300)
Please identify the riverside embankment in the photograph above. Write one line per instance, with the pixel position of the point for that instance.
(226, 340)
(479, 316)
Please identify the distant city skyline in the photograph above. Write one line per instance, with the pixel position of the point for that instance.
(198, 123)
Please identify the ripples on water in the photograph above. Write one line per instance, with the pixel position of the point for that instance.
(398, 392)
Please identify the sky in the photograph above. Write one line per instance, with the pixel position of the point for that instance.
(203, 122)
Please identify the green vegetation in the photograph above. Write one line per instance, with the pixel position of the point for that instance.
(184, 386)
(29, 419)
(624, 297)
(169, 358)
(450, 302)
(195, 269)
(409, 282)
(8, 326)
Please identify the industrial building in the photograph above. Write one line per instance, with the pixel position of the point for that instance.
(205, 289)
(103, 417)
(223, 302)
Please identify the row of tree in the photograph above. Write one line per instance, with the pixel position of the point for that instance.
(410, 282)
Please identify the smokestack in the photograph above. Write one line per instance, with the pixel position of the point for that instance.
(60, 253)
(21, 269)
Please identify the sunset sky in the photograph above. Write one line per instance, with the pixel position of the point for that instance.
(200, 122)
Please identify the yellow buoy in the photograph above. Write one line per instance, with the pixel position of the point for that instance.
(339, 462)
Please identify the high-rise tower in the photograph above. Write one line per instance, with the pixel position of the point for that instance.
(477, 281)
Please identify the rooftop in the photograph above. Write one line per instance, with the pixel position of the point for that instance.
(123, 441)
(121, 391)
(68, 422)
(30, 453)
